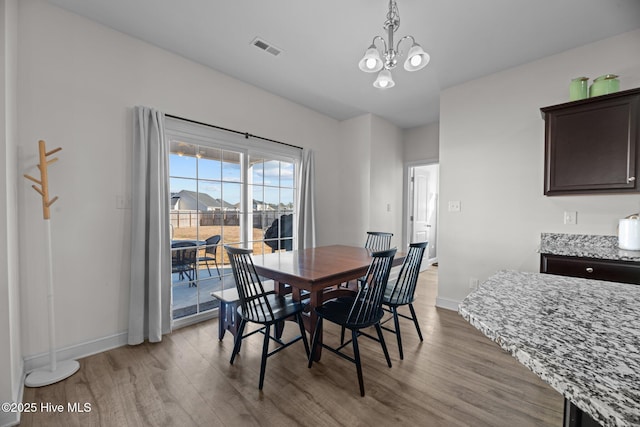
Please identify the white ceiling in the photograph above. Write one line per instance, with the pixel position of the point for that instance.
(323, 40)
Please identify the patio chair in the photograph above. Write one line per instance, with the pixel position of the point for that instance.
(210, 253)
(183, 260)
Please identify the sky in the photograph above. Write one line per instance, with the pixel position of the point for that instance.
(272, 180)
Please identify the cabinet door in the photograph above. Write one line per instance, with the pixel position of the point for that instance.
(591, 146)
(613, 271)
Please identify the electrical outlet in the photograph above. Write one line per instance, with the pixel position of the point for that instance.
(123, 202)
(473, 283)
(454, 206)
(571, 217)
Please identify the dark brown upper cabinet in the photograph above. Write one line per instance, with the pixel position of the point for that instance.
(592, 146)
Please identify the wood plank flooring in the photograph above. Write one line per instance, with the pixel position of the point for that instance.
(456, 377)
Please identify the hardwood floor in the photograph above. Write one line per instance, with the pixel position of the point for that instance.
(455, 377)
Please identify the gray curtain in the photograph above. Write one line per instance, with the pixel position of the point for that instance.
(307, 202)
(150, 293)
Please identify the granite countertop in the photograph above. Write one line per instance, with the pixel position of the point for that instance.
(587, 246)
(581, 336)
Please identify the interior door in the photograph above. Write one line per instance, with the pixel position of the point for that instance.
(420, 194)
(425, 199)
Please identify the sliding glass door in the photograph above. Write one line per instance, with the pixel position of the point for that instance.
(223, 192)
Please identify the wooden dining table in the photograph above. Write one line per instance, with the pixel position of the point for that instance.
(319, 271)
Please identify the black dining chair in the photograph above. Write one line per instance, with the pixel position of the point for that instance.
(258, 306)
(378, 240)
(358, 312)
(210, 253)
(183, 260)
(401, 292)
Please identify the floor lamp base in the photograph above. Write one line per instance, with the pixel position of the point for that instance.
(45, 376)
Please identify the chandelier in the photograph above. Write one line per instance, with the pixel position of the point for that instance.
(374, 61)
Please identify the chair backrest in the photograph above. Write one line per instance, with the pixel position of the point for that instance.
(212, 244)
(404, 287)
(183, 253)
(367, 304)
(378, 240)
(253, 298)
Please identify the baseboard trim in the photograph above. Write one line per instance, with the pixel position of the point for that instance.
(76, 351)
(447, 303)
(8, 419)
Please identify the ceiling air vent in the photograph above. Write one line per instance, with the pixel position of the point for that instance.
(267, 47)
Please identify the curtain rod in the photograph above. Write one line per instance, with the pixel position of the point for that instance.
(247, 135)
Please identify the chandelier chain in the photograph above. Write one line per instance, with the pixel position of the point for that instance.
(393, 17)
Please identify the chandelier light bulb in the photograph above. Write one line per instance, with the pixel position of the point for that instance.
(384, 80)
(417, 58)
(371, 61)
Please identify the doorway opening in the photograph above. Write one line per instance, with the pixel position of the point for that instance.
(422, 209)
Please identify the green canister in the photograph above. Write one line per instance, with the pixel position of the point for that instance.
(579, 88)
(604, 85)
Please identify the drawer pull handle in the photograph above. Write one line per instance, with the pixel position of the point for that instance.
(631, 179)
(589, 270)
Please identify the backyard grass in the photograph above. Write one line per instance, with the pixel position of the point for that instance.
(230, 235)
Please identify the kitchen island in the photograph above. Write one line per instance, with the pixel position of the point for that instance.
(581, 336)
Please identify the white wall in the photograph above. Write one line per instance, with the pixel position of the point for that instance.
(422, 143)
(355, 177)
(491, 159)
(77, 84)
(370, 179)
(385, 210)
(10, 354)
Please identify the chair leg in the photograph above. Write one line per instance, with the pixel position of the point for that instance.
(396, 323)
(356, 357)
(415, 321)
(236, 344)
(303, 333)
(342, 335)
(314, 341)
(265, 351)
(382, 343)
(207, 264)
(217, 268)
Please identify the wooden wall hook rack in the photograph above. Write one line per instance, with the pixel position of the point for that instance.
(43, 182)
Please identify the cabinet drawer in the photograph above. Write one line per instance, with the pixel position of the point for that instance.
(589, 268)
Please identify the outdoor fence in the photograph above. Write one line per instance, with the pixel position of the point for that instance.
(192, 218)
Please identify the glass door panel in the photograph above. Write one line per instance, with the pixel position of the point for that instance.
(223, 197)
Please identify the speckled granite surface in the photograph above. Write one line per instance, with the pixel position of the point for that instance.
(581, 336)
(585, 245)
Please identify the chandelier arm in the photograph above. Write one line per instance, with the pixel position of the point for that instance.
(373, 42)
(413, 40)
